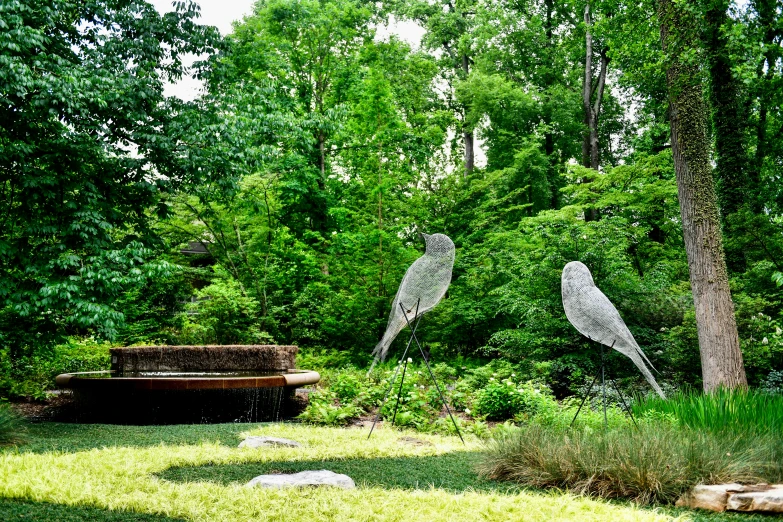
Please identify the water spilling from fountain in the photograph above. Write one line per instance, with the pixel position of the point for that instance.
(189, 384)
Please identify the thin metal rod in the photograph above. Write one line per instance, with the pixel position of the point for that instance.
(394, 377)
(603, 383)
(587, 394)
(399, 393)
(625, 406)
(432, 375)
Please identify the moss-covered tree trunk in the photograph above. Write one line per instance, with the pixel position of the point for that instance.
(721, 358)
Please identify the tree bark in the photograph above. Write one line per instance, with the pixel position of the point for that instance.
(727, 114)
(721, 358)
(766, 12)
(467, 135)
(587, 89)
(592, 108)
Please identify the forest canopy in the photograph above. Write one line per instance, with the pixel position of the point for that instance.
(285, 203)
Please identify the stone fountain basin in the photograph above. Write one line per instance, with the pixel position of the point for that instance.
(187, 384)
(113, 380)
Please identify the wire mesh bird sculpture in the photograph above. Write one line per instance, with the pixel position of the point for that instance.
(595, 317)
(424, 285)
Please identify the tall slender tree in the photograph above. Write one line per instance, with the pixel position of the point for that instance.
(721, 358)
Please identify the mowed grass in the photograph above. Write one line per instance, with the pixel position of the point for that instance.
(197, 473)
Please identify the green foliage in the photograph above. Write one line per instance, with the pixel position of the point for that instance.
(655, 463)
(32, 376)
(505, 399)
(324, 409)
(82, 84)
(223, 314)
(736, 412)
(773, 383)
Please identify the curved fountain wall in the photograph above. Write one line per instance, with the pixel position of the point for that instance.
(189, 384)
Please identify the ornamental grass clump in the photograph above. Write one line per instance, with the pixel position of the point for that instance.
(656, 463)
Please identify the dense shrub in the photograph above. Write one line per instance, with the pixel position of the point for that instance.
(500, 400)
(32, 375)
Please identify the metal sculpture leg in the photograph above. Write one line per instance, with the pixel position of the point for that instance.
(602, 373)
(625, 406)
(394, 377)
(399, 393)
(603, 383)
(432, 375)
(587, 394)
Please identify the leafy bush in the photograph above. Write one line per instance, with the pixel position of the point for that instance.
(324, 409)
(500, 400)
(31, 376)
(223, 314)
(773, 383)
(656, 463)
(11, 428)
(732, 411)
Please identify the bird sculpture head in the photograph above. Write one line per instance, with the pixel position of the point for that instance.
(438, 245)
(575, 276)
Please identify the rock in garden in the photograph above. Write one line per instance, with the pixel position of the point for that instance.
(769, 501)
(413, 441)
(259, 442)
(712, 497)
(318, 478)
(758, 498)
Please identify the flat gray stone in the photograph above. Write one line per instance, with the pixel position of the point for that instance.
(318, 478)
(413, 441)
(769, 501)
(711, 497)
(260, 442)
(750, 498)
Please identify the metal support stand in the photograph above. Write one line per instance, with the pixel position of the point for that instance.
(602, 373)
(404, 362)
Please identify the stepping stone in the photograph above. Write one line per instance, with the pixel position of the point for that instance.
(260, 442)
(413, 441)
(318, 478)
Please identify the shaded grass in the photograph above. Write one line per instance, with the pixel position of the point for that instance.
(69, 438)
(733, 411)
(450, 471)
(46, 512)
(11, 426)
(656, 463)
(120, 474)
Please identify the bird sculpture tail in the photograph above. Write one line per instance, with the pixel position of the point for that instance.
(633, 354)
(382, 348)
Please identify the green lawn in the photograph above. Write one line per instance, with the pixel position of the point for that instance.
(161, 473)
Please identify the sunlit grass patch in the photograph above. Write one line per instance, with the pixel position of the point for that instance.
(118, 476)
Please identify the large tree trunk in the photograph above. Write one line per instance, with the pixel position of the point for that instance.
(721, 358)
(766, 11)
(592, 108)
(727, 114)
(587, 88)
(467, 135)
